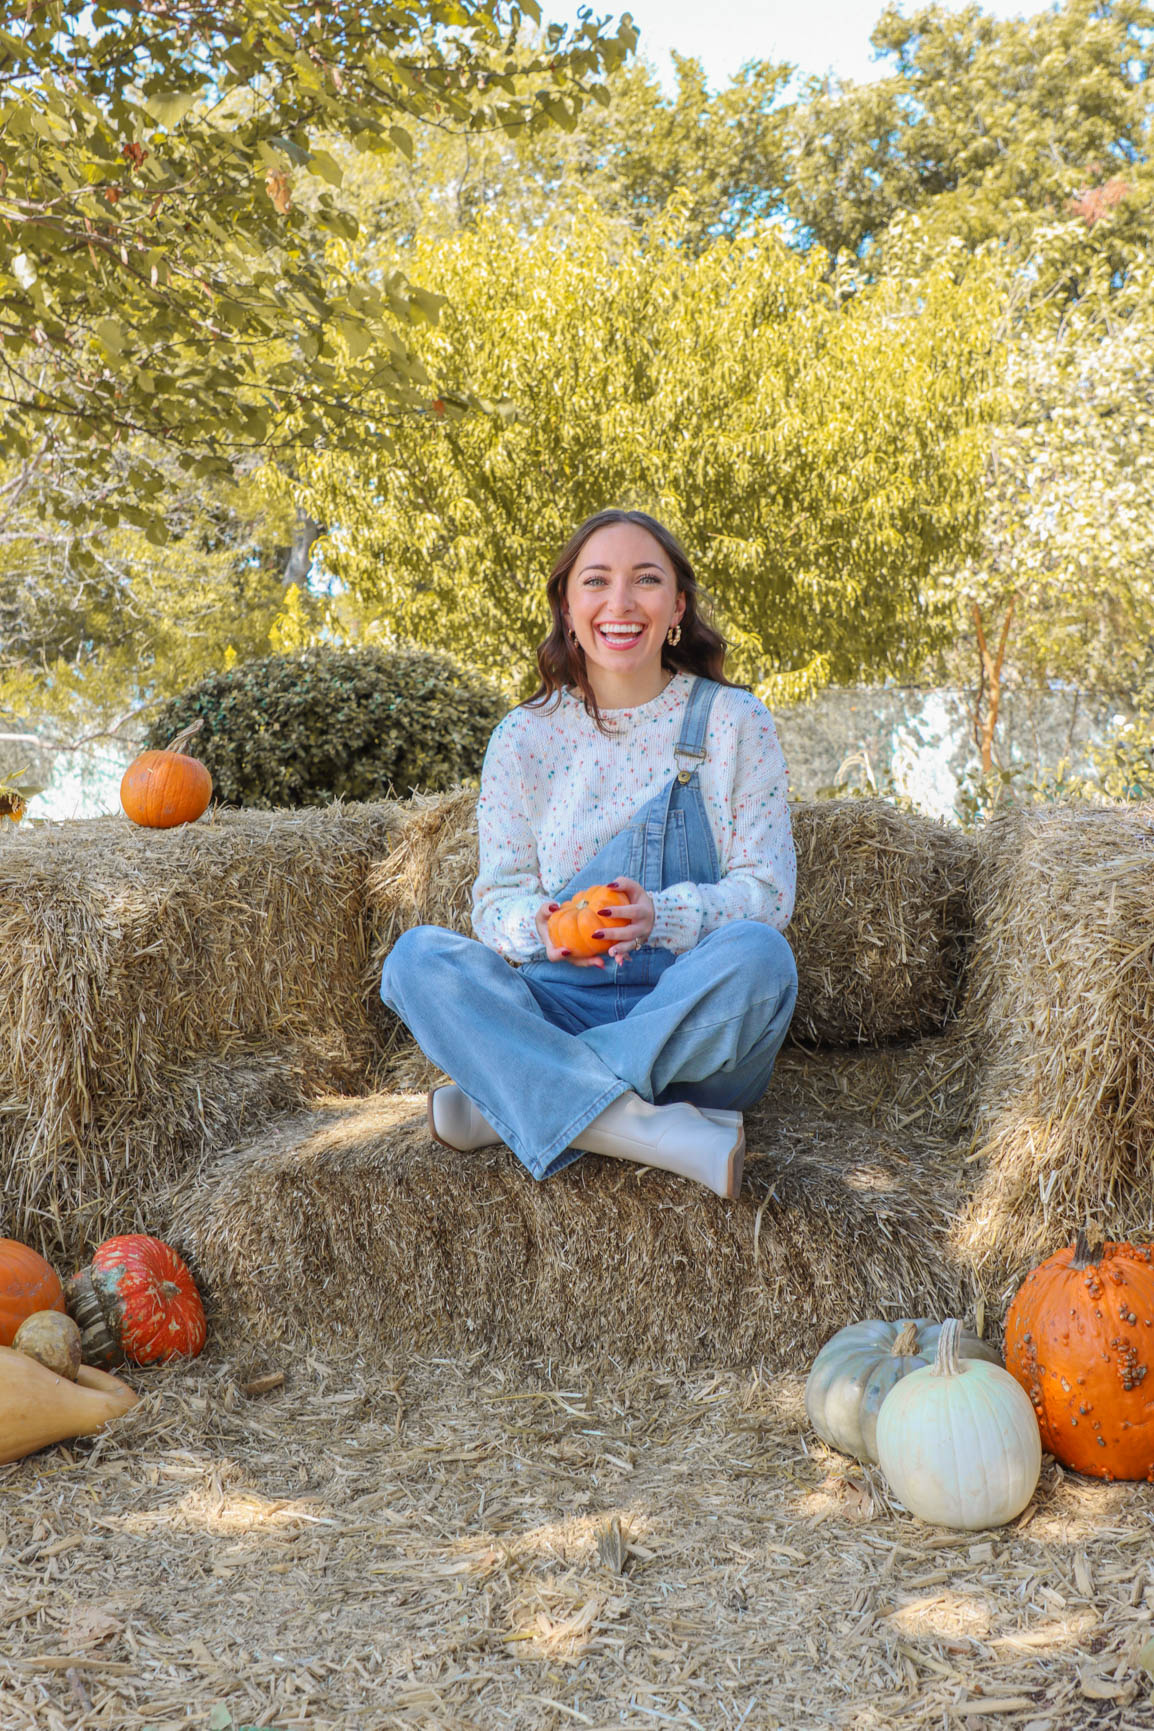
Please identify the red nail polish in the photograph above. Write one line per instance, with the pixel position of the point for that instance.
(598, 935)
(553, 906)
(566, 952)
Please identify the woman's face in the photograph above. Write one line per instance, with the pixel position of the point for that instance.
(621, 598)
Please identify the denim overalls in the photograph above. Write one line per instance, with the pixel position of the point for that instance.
(542, 1049)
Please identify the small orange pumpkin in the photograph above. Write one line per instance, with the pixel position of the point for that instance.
(572, 926)
(1080, 1340)
(27, 1284)
(164, 788)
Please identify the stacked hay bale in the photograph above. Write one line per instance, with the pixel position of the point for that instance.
(163, 991)
(348, 1227)
(1060, 1010)
(851, 1182)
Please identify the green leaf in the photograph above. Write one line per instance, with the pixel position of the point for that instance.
(320, 162)
(110, 336)
(168, 109)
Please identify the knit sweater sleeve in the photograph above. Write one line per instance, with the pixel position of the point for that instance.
(508, 889)
(757, 862)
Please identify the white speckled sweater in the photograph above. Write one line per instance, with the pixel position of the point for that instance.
(554, 790)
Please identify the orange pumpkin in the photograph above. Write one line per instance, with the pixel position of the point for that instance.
(27, 1284)
(165, 788)
(572, 926)
(1079, 1339)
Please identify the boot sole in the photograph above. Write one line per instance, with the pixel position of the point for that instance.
(735, 1171)
(433, 1127)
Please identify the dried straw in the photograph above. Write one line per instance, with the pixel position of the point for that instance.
(446, 1546)
(416, 1245)
(881, 922)
(1060, 1009)
(162, 991)
(878, 931)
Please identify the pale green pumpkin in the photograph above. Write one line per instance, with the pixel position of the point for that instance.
(857, 1368)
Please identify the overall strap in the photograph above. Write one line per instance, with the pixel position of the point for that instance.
(691, 745)
(690, 754)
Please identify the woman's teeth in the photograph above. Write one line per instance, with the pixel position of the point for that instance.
(620, 636)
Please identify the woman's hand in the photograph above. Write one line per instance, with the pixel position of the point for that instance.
(639, 911)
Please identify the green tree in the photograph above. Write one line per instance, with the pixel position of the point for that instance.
(1061, 580)
(85, 646)
(722, 155)
(984, 126)
(816, 442)
(158, 275)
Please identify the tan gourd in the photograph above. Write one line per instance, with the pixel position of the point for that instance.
(53, 1340)
(38, 1408)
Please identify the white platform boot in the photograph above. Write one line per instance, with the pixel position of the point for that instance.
(706, 1144)
(677, 1138)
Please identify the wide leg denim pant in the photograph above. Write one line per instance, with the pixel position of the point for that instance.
(541, 1057)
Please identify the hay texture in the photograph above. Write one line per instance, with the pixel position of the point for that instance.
(446, 1546)
(163, 991)
(879, 928)
(881, 922)
(349, 1225)
(1060, 1010)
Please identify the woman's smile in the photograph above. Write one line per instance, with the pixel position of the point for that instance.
(619, 634)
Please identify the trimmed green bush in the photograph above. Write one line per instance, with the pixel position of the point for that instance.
(325, 723)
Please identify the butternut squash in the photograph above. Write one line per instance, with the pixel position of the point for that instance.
(38, 1408)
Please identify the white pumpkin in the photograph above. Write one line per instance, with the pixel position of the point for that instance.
(959, 1442)
(855, 1371)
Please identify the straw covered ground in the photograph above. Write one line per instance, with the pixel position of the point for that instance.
(599, 1504)
(161, 991)
(1060, 1018)
(452, 1547)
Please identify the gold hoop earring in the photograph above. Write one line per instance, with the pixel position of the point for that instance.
(673, 636)
(573, 638)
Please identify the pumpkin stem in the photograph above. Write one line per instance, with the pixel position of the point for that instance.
(948, 1362)
(1086, 1255)
(906, 1343)
(185, 735)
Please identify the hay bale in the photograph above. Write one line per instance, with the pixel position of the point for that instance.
(879, 929)
(1060, 1007)
(349, 1226)
(162, 991)
(922, 1089)
(881, 922)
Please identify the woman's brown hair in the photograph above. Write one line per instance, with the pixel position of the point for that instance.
(561, 662)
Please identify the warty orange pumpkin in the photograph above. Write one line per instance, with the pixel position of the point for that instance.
(136, 1300)
(1080, 1340)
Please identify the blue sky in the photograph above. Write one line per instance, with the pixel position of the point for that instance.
(815, 35)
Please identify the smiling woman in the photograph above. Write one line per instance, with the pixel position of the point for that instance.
(635, 767)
